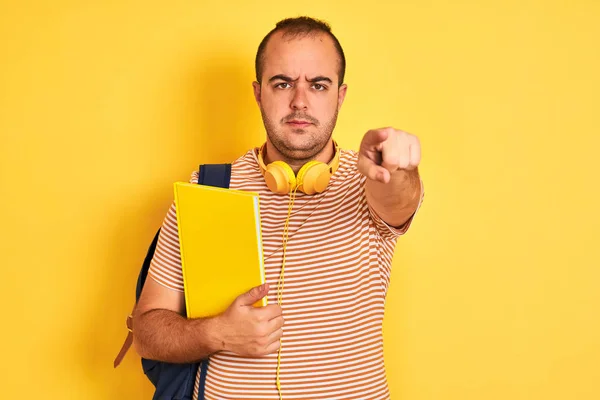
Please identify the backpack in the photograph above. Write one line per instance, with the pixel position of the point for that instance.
(174, 381)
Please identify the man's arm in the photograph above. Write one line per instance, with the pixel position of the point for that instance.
(396, 201)
(161, 332)
(389, 159)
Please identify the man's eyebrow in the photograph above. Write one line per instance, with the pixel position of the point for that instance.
(281, 77)
(320, 79)
(286, 78)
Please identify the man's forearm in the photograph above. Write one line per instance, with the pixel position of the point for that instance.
(164, 335)
(396, 201)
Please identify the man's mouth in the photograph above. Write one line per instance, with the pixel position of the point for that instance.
(297, 123)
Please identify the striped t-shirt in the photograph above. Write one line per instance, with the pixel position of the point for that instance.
(337, 272)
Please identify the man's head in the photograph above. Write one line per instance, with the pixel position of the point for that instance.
(300, 68)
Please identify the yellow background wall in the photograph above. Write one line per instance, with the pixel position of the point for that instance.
(496, 289)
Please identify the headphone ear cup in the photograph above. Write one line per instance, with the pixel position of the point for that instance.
(280, 177)
(314, 177)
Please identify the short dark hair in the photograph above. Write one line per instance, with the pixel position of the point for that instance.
(300, 27)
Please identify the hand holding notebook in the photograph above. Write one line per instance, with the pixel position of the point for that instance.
(250, 331)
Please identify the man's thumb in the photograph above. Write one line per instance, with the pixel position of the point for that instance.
(254, 295)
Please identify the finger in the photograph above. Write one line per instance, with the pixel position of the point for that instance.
(389, 154)
(374, 138)
(276, 323)
(269, 312)
(391, 158)
(415, 155)
(403, 157)
(273, 347)
(372, 171)
(253, 295)
(275, 336)
(396, 154)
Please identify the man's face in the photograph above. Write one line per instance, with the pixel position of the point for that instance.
(298, 96)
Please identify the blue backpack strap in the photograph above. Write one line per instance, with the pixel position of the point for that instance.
(218, 175)
(145, 266)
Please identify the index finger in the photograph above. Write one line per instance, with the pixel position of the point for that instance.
(374, 138)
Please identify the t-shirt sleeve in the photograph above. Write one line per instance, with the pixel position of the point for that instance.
(387, 231)
(165, 267)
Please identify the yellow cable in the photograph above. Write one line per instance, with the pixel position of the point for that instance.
(282, 281)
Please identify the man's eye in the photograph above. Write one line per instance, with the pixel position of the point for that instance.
(319, 87)
(283, 85)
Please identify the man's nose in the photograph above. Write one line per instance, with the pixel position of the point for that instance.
(299, 99)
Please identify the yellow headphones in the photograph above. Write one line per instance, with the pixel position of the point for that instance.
(312, 178)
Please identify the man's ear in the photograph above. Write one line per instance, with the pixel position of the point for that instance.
(341, 95)
(256, 87)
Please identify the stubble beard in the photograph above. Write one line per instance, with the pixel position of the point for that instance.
(315, 137)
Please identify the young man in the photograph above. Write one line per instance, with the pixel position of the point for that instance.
(346, 216)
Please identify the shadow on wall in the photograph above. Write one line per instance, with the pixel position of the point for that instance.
(217, 120)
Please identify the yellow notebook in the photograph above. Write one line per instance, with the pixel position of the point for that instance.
(221, 246)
